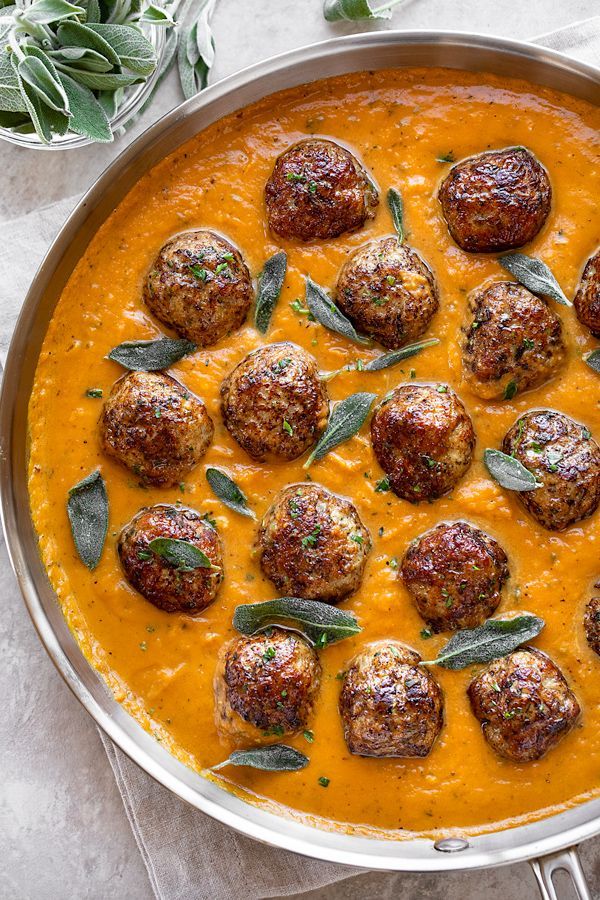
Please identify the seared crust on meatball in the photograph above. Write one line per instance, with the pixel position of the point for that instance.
(587, 298)
(274, 403)
(266, 685)
(171, 588)
(496, 200)
(524, 704)
(312, 544)
(388, 292)
(423, 439)
(155, 426)
(318, 190)
(455, 574)
(200, 287)
(513, 342)
(565, 458)
(591, 624)
(390, 706)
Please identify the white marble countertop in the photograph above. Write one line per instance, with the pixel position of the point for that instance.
(63, 829)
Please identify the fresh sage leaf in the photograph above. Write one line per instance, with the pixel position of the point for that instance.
(344, 422)
(46, 121)
(509, 472)
(322, 623)
(156, 15)
(535, 275)
(92, 11)
(270, 283)
(396, 206)
(493, 639)
(151, 356)
(180, 554)
(87, 508)
(43, 12)
(38, 75)
(593, 360)
(81, 58)
(227, 491)
(328, 314)
(272, 758)
(395, 356)
(74, 34)
(132, 49)
(10, 92)
(195, 54)
(355, 10)
(99, 81)
(87, 116)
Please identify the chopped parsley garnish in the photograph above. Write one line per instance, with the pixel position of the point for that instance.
(324, 782)
(426, 633)
(93, 392)
(510, 390)
(357, 538)
(287, 427)
(311, 539)
(308, 736)
(446, 158)
(199, 273)
(269, 653)
(382, 485)
(221, 268)
(295, 176)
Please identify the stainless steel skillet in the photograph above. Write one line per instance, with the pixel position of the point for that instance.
(544, 842)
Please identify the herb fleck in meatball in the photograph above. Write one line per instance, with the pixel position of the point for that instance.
(200, 286)
(390, 706)
(388, 292)
(591, 623)
(266, 685)
(513, 342)
(587, 298)
(170, 587)
(423, 439)
(455, 574)
(274, 403)
(318, 190)
(155, 427)
(313, 544)
(524, 704)
(497, 200)
(566, 460)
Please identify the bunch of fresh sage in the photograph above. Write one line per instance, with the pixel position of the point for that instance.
(67, 67)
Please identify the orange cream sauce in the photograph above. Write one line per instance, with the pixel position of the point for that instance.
(161, 666)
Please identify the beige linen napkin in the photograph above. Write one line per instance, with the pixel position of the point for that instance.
(188, 855)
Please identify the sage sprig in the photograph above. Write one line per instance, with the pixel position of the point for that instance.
(593, 360)
(227, 491)
(151, 356)
(535, 275)
(180, 554)
(270, 282)
(493, 639)
(355, 10)
(87, 508)
(509, 472)
(321, 623)
(344, 422)
(394, 199)
(272, 758)
(395, 356)
(328, 314)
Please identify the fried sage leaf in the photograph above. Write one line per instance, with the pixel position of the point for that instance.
(87, 508)
(593, 360)
(509, 472)
(321, 623)
(328, 314)
(394, 199)
(270, 283)
(344, 422)
(151, 356)
(180, 554)
(535, 275)
(227, 491)
(273, 758)
(493, 639)
(395, 356)
(355, 10)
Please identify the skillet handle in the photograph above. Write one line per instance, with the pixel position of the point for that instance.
(568, 861)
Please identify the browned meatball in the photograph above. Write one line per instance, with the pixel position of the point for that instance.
(423, 439)
(497, 200)
(266, 685)
(318, 190)
(274, 402)
(591, 623)
(312, 544)
(155, 427)
(200, 286)
(165, 584)
(390, 706)
(587, 298)
(388, 292)
(524, 704)
(455, 574)
(564, 457)
(513, 342)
